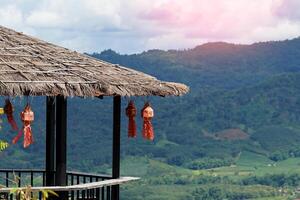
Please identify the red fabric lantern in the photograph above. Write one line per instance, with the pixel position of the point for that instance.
(147, 114)
(27, 117)
(131, 113)
(9, 111)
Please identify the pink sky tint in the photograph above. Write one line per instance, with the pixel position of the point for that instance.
(213, 19)
(133, 26)
(289, 9)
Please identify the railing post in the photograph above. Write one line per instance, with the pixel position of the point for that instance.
(61, 145)
(50, 140)
(115, 192)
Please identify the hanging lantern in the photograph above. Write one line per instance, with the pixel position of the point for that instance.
(9, 111)
(131, 113)
(27, 117)
(147, 114)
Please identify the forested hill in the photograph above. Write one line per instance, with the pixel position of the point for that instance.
(215, 64)
(253, 88)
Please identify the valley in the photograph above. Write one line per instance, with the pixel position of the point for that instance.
(236, 135)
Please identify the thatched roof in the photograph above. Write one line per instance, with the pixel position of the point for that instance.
(29, 66)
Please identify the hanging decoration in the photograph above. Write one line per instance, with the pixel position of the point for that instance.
(147, 114)
(27, 117)
(131, 113)
(9, 111)
(1, 121)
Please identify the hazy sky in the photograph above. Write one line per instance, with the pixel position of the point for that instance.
(129, 26)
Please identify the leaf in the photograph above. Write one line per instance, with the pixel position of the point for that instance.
(3, 145)
(45, 194)
(13, 191)
(52, 192)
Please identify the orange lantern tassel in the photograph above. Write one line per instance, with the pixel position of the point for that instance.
(131, 113)
(147, 114)
(28, 138)
(16, 139)
(9, 111)
(27, 117)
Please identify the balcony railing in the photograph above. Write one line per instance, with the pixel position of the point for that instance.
(79, 185)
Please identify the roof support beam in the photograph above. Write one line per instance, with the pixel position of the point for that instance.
(61, 144)
(116, 145)
(50, 141)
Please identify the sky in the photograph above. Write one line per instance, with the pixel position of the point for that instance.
(133, 26)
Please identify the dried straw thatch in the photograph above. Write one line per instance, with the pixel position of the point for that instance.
(29, 66)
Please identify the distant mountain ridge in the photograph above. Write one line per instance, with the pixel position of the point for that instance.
(225, 53)
(217, 64)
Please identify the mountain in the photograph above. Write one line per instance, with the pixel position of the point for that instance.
(243, 109)
(218, 64)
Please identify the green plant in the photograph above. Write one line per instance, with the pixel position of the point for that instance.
(27, 193)
(3, 145)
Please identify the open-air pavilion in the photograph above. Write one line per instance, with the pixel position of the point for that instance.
(32, 67)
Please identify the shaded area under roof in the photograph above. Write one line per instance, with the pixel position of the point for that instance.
(29, 66)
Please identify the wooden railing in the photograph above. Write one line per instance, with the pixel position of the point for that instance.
(22, 177)
(77, 178)
(79, 185)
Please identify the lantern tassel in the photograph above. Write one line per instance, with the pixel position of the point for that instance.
(131, 113)
(16, 139)
(147, 114)
(9, 110)
(131, 127)
(12, 122)
(27, 117)
(28, 138)
(148, 132)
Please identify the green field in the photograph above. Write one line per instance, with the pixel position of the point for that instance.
(163, 181)
(255, 164)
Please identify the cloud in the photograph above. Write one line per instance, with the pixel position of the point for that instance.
(45, 19)
(137, 25)
(10, 15)
(289, 9)
(217, 19)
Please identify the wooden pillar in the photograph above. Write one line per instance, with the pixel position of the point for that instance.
(61, 144)
(116, 145)
(50, 140)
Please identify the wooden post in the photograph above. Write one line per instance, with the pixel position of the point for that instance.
(116, 146)
(61, 144)
(50, 141)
